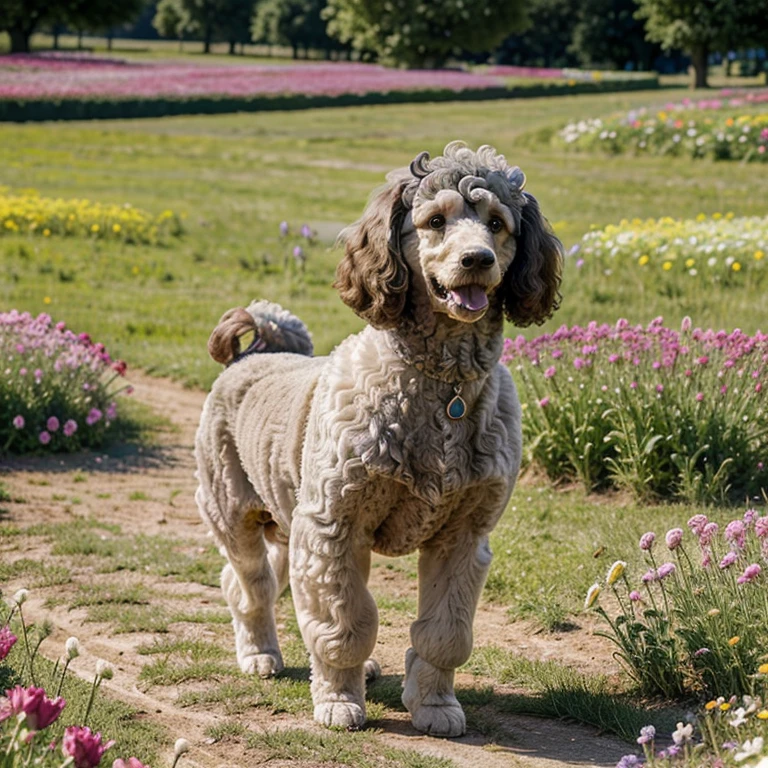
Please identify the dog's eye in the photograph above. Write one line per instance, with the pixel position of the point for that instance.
(437, 222)
(495, 225)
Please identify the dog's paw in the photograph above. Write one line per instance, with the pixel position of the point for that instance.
(371, 670)
(340, 714)
(445, 720)
(261, 664)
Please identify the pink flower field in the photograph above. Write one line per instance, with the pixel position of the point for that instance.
(25, 76)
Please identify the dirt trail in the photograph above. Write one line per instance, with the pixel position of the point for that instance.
(152, 491)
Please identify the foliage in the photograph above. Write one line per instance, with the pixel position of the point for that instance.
(423, 34)
(57, 392)
(719, 136)
(702, 26)
(677, 415)
(297, 23)
(172, 19)
(29, 213)
(697, 624)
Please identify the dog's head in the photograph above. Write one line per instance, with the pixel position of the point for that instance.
(460, 229)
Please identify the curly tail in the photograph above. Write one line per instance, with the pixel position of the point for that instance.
(274, 328)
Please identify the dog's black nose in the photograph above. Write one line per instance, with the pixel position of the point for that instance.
(482, 258)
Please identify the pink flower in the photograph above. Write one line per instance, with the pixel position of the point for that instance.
(761, 527)
(751, 572)
(93, 416)
(699, 397)
(84, 746)
(703, 360)
(659, 388)
(697, 523)
(550, 372)
(635, 596)
(52, 424)
(646, 540)
(649, 575)
(112, 411)
(40, 711)
(18, 422)
(120, 366)
(666, 569)
(45, 437)
(674, 538)
(708, 532)
(133, 762)
(579, 363)
(750, 516)
(7, 639)
(544, 402)
(729, 559)
(736, 533)
(70, 427)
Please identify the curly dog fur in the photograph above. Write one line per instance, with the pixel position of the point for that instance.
(308, 464)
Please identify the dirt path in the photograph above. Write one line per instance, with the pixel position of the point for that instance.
(152, 492)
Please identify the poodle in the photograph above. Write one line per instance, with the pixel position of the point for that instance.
(406, 437)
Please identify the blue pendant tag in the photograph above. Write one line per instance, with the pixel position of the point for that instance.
(457, 408)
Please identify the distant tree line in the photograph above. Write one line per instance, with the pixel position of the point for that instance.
(618, 34)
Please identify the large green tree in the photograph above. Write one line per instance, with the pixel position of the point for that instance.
(297, 23)
(701, 27)
(208, 19)
(420, 33)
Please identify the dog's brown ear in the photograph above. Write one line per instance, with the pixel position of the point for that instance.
(531, 288)
(372, 277)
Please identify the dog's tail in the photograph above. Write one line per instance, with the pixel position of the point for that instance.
(274, 330)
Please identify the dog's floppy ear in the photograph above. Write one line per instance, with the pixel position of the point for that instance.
(372, 278)
(531, 288)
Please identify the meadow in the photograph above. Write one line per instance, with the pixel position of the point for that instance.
(231, 180)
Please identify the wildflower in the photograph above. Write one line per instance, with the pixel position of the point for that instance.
(104, 669)
(635, 596)
(649, 575)
(133, 762)
(615, 572)
(665, 569)
(710, 705)
(72, 648)
(734, 640)
(52, 425)
(628, 761)
(646, 540)
(739, 717)
(763, 669)
(647, 734)
(703, 652)
(284, 228)
(20, 597)
(762, 714)
(94, 415)
(550, 372)
(44, 437)
(697, 523)
(761, 527)
(306, 231)
(683, 734)
(735, 533)
(749, 748)
(39, 710)
(70, 427)
(7, 640)
(544, 402)
(708, 532)
(728, 560)
(751, 572)
(180, 747)
(84, 746)
(674, 538)
(18, 422)
(592, 594)
(712, 612)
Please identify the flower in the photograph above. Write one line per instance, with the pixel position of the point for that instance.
(751, 572)
(734, 640)
(94, 415)
(697, 523)
(683, 734)
(52, 425)
(39, 710)
(635, 596)
(763, 669)
(20, 597)
(72, 647)
(70, 427)
(665, 569)
(544, 402)
(133, 762)
(592, 594)
(628, 761)
(674, 538)
(104, 669)
(84, 746)
(284, 228)
(647, 734)
(749, 748)
(738, 717)
(7, 640)
(735, 532)
(650, 575)
(728, 560)
(646, 540)
(550, 372)
(180, 747)
(615, 572)
(18, 422)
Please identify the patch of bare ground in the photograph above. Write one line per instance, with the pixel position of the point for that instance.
(151, 491)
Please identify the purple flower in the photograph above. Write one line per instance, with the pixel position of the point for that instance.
(579, 263)
(544, 402)
(750, 516)
(84, 746)
(284, 228)
(298, 253)
(94, 415)
(40, 711)
(729, 559)
(306, 231)
(579, 363)
(761, 527)
(647, 734)
(52, 424)
(18, 422)
(736, 533)
(44, 437)
(628, 761)
(646, 540)
(674, 538)
(550, 372)
(7, 640)
(635, 596)
(751, 572)
(697, 523)
(70, 427)
(650, 575)
(708, 532)
(666, 569)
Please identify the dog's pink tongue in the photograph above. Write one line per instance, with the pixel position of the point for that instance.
(473, 297)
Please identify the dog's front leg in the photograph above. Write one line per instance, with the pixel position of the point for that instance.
(330, 561)
(451, 577)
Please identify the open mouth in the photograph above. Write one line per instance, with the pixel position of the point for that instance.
(472, 298)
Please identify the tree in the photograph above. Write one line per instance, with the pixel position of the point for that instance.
(421, 33)
(701, 27)
(102, 15)
(297, 23)
(234, 22)
(20, 18)
(172, 20)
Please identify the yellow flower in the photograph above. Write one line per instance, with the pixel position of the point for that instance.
(592, 594)
(725, 706)
(762, 714)
(116, 228)
(736, 267)
(729, 122)
(729, 215)
(759, 255)
(46, 232)
(701, 217)
(763, 669)
(135, 270)
(690, 262)
(710, 705)
(734, 640)
(615, 572)
(666, 266)
(717, 216)
(643, 260)
(94, 227)
(46, 300)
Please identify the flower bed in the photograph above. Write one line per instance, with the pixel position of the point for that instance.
(723, 249)
(58, 388)
(726, 129)
(576, 75)
(30, 213)
(664, 413)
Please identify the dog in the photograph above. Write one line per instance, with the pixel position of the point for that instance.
(406, 437)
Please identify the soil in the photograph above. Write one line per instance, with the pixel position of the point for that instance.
(51, 489)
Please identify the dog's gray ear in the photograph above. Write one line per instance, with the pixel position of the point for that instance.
(531, 288)
(372, 278)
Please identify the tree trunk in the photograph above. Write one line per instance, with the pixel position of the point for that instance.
(699, 57)
(295, 50)
(109, 40)
(19, 40)
(208, 38)
(231, 47)
(79, 39)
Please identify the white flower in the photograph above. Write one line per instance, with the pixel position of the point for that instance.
(738, 717)
(592, 594)
(20, 597)
(104, 669)
(750, 749)
(72, 647)
(683, 734)
(180, 747)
